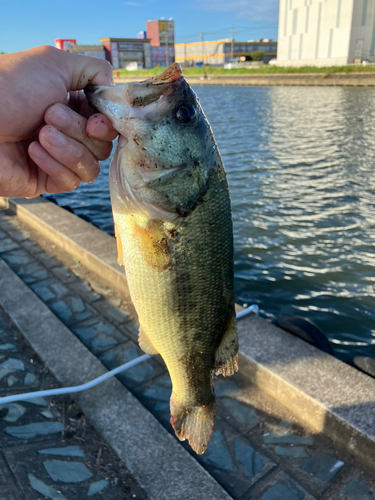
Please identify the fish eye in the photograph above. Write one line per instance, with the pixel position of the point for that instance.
(185, 113)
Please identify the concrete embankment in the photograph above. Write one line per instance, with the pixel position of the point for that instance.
(291, 79)
(322, 393)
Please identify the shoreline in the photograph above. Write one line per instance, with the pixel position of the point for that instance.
(286, 79)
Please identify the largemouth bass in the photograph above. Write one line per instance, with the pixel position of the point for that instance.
(173, 227)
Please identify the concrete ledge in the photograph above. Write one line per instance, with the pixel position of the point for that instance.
(310, 79)
(320, 390)
(157, 461)
(327, 394)
(91, 246)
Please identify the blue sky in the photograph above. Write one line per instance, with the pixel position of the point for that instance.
(28, 23)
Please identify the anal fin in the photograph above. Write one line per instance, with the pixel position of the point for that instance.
(145, 344)
(226, 355)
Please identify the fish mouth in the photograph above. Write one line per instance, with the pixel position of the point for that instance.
(134, 94)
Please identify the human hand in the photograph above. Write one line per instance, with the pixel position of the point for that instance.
(69, 145)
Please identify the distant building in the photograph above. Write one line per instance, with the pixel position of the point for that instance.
(87, 50)
(219, 52)
(122, 51)
(161, 36)
(65, 43)
(326, 33)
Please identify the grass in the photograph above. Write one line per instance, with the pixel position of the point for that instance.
(214, 70)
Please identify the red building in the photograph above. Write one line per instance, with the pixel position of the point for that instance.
(161, 36)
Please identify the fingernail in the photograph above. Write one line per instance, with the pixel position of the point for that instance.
(61, 116)
(37, 151)
(54, 137)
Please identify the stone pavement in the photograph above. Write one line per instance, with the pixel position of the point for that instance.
(258, 451)
(48, 449)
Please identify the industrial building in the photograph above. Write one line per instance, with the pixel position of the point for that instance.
(221, 52)
(122, 51)
(326, 33)
(87, 50)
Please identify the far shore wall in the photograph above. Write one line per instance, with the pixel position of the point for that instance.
(313, 79)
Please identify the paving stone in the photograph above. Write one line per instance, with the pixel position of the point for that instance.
(100, 289)
(30, 431)
(31, 246)
(71, 310)
(32, 272)
(283, 490)
(85, 289)
(132, 376)
(29, 379)
(324, 466)
(64, 274)
(165, 381)
(45, 490)
(97, 487)
(252, 461)
(98, 336)
(358, 489)
(15, 411)
(242, 413)
(295, 452)
(17, 258)
(67, 451)
(11, 380)
(7, 347)
(157, 392)
(16, 232)
(217, 453)
(111, 308)
(227, 389)
(272, 438)
(9, 366)
(221, 459)
(162, 412)
(39, 401)
(49, 289)
(47, 414)
(48, 259)
(67, 472)
(7, 244)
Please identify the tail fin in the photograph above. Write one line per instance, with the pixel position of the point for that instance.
(194, 423)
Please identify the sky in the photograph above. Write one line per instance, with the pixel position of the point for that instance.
(27, 23)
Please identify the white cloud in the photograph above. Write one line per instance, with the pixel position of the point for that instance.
(249, 10)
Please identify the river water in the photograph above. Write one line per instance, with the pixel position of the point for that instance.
(301, 170)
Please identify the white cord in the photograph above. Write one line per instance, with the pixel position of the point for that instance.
(77, 388)
(83, 387)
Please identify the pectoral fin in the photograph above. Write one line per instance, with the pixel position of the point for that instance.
(226, 355)
(120, 253)
(145, 343)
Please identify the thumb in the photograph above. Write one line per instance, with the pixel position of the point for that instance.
(83, 70)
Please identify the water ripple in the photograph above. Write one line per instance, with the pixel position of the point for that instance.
(300, 164)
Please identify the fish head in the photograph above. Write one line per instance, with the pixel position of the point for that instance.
(166, 150)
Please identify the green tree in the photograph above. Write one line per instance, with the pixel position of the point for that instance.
(257, 55)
